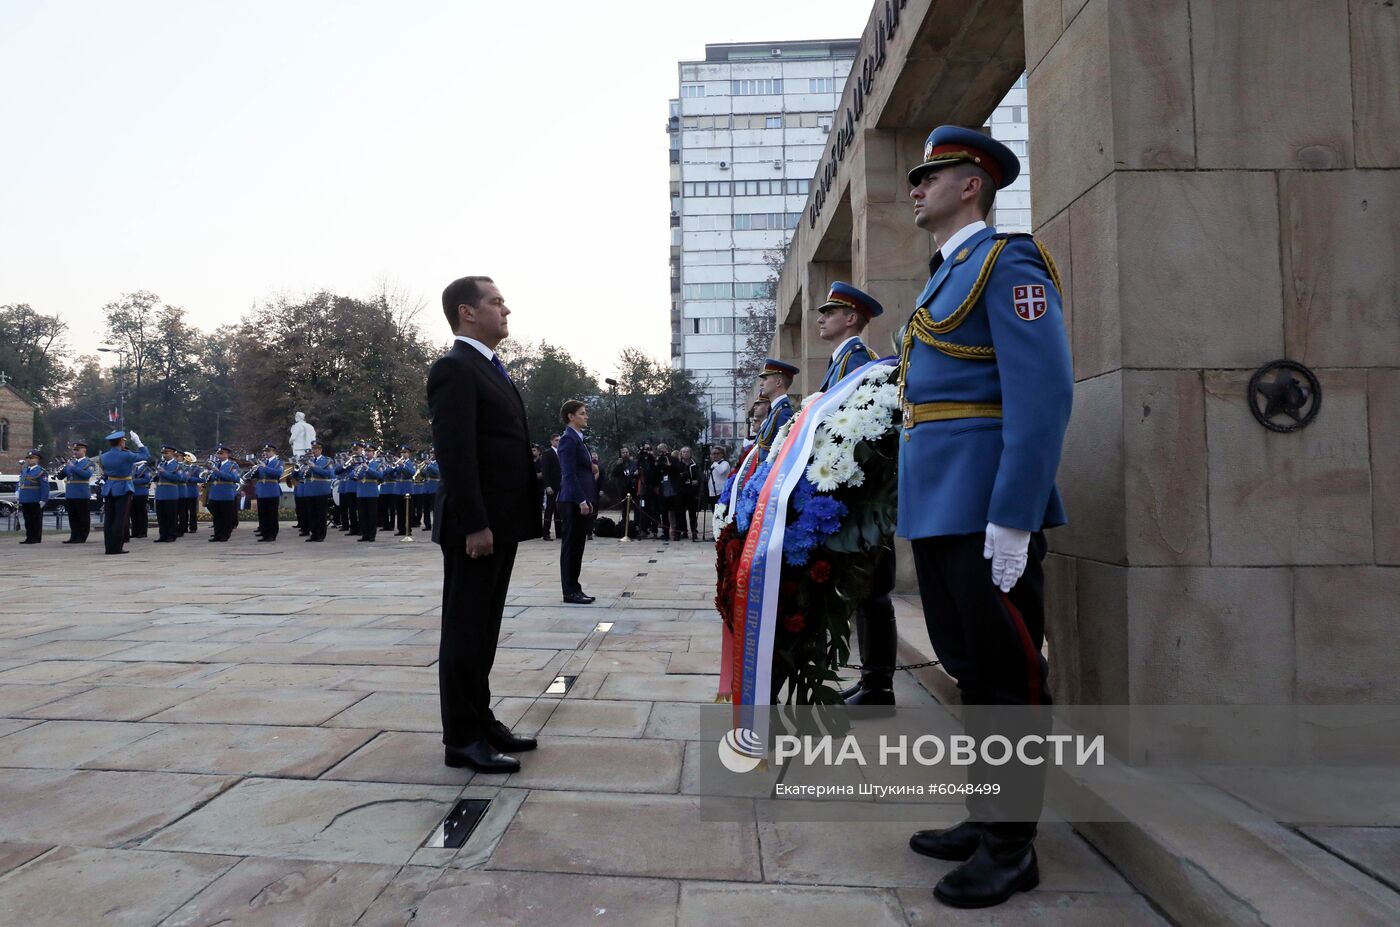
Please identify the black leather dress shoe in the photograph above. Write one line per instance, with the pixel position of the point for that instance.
(506, 741)
(482, 757)
(577, 598)
(986, 880)
(955, 843)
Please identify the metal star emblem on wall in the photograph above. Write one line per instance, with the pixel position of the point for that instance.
(1284, 396)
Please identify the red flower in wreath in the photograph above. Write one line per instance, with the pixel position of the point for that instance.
(820, 571)
(794, 623)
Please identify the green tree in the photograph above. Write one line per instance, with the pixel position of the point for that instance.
(356, 367)
(32, 355)
(547, 376)
(81, 414)
(655, 402)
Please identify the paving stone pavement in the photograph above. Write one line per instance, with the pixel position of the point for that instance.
(248, 735)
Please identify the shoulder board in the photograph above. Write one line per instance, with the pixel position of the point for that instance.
(1044, 254)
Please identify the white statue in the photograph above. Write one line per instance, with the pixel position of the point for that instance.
(302, 435)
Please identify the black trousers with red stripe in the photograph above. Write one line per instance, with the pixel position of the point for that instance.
(990, 643)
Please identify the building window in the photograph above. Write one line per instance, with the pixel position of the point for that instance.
(761, 221)
(821, 85)
(707, 188)
(4, 434)
(692, 90)
(721, 326)
(753, 88)
(799, 186)
(824, 123)
(772, 122)
(752, 291)
(709, 291)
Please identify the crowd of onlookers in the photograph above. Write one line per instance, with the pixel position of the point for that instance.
(661, 491)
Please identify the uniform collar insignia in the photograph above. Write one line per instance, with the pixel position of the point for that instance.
(962, 255)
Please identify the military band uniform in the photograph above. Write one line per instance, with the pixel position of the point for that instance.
(188, 514)
(223, 488)
(303, 523)
(31, 494)
(430, 487)
(117, 466)
(349, 497)
(77, 497)
(986, 392)
(320, 471)
(139, 513)
(370, 475)
(269, 493)
(169, 482)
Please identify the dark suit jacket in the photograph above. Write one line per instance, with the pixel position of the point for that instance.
(549, 467)
(483, 451)
(576, 470)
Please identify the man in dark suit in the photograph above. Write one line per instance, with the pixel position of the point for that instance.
(549, 473)
(578, 497)
(487, 502)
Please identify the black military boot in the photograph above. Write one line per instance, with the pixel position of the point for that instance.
(989, 877)
(957, 843)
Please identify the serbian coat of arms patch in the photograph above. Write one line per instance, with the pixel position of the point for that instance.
(1029, 301)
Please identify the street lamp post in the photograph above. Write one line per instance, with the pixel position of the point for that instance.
(617, 429)
(121, 383)
(218, 419)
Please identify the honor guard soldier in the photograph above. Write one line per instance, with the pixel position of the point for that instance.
(986, 387)
(773, 385)
(117, 466)
(433, 477)
(32, 493)
(269, 492)
(369, 476)
(139, 511)
(320, 471)
(170, 484)
(77, 494)
(841, 319)
(222, 485)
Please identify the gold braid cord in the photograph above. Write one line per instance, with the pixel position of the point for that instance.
(923, 327)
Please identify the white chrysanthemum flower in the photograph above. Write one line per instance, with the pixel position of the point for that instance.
(842, 422)
(822, 475)
(721, 516)
(821, 440)
(780, 438)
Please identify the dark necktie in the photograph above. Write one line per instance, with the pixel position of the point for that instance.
(935, 262)
(496, 362)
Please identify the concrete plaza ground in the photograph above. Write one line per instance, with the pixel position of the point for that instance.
(247, 734)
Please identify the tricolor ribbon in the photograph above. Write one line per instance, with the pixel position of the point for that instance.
(760, 566)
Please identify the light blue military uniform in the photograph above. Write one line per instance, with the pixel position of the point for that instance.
(269, 477)
(169, 480)
(223, 481)
(780, 410)
(33, 485)
(117, 464)
(854, 355)
(998, 367)
(77, 479)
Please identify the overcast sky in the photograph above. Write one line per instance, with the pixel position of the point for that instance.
(219, 154)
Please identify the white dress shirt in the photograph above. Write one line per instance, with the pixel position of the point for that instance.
(950, 247)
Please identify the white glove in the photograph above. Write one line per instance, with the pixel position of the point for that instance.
(1006, 548)
(136, 439)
